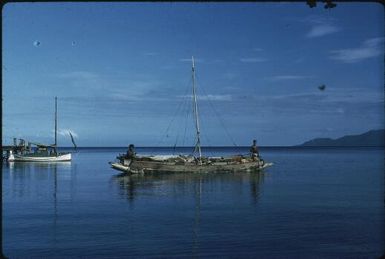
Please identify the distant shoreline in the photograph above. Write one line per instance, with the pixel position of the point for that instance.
(372, 138)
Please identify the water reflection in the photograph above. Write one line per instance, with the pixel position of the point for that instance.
(36, 181)
(256, 183)
(45, 185)
(200, 191)
(197, 218)
(134, 186)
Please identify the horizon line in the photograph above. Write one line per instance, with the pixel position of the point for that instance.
(266, 146)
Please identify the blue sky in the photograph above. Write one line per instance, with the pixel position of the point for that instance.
(122, 72)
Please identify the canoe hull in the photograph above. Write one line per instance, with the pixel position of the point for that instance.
(171, 167)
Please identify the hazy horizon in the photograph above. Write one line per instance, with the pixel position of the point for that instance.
(227, 146)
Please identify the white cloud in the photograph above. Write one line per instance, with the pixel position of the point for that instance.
(125, 97)
(230, 75)
(321, 30)
(85, 75)
(288, 77)
(216, 61)
(196, 60)
(65, 133)
(122, 97)
(257, 49)
(369, 49)
(134, 90)
(299, 60)
(150, 54)
(356, 96)
(210, 97)
(320, 26)
(252, 60)
(78, 81)
(349, 95)
(340, 110)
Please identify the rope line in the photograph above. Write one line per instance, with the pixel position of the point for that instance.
(165, 135)
(219, 118)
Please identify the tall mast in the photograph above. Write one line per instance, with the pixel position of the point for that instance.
(198, 144)
(55, 125)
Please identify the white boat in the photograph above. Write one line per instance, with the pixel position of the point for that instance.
(193, 163)
(42, 152)
(39, 157)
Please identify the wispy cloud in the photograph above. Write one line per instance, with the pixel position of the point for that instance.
(197, 60)
(210, 97)
(129, 98)
(299, 60)
(320, 26)
(136, 90)
(85, 75)
(334, 102)
(252, 60)
(257, 49)
(77, 81)
(123, 97)
(150, 54)
(322, 30)
(288, 77)
(65, 133)
(340, 96)
(230, 75)
(356, 96)
(216, 61)
(370, 48)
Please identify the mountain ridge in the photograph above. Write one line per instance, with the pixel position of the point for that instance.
(371, 138)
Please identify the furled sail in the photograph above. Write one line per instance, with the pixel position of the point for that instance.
(72, 139)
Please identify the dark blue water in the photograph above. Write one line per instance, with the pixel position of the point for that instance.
(311, 203)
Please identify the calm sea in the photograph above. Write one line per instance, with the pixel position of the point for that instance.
(311, 203)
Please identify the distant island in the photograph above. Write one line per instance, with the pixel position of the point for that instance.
(372, 138)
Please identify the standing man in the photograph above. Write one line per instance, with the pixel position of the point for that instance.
(254, 151)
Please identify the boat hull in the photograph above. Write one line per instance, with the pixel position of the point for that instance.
(31, 158)
(172, 167)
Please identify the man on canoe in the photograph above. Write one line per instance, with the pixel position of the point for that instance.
(131, 152)
(254, 150)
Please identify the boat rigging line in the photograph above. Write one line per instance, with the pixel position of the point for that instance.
(220, 119)
(183, 110)
(181, 107)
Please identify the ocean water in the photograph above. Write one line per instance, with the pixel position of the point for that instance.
(311, 203)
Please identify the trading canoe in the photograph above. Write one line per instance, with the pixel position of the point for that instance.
(199, 163)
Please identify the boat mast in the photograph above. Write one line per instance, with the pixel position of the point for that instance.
(195, 107)
(55, 125)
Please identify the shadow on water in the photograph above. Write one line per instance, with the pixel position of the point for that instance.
(198, 187)
(26, 175)
(136, 185)
(256, 183)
